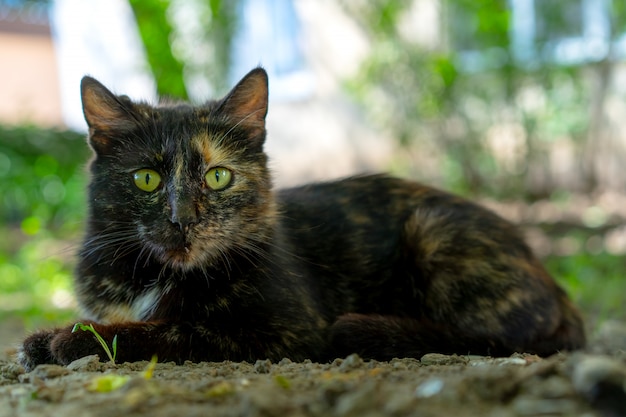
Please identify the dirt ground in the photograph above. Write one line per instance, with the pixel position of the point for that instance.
(589, 383)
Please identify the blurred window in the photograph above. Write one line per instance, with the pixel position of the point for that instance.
(565, 32)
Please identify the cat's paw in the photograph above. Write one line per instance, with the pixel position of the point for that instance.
(57, 346)
(69, 345)
(35, 350)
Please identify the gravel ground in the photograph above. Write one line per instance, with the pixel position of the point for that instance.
(590, 383)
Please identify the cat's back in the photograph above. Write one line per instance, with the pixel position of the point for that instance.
(362, 225)
(350, 198)
(360, 209)
(377, 208)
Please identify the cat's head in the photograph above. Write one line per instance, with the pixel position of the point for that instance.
(177, 183)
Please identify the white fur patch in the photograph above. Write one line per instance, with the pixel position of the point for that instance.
(143, 306)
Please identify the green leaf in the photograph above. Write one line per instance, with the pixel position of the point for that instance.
(103, 343)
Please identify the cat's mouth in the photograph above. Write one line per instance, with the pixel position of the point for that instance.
(185, 256)
(180, 257)
(180, 252)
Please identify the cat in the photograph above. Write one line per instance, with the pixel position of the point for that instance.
(189, 254)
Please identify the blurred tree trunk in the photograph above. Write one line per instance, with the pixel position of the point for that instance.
(596, 149)
(156, 34)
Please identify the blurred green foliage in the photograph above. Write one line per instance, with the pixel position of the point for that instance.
(174, 58)
(477, 118)
(42, 177)
(595, 281)
(156, 33)
(42, 183)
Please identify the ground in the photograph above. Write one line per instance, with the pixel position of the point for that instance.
(589, 383)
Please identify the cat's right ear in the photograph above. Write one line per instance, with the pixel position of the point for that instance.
(107, 115)
(246, 104)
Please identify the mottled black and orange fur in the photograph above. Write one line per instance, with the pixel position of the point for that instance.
(374, 265)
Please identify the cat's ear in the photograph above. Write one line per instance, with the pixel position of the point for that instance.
(107, 115)
(246, 104)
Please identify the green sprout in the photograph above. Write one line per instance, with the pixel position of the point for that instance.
(103, 343)
(147, 374)
(112, 382)
(108, 383)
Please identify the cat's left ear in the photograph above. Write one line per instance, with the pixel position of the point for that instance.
(246, 104)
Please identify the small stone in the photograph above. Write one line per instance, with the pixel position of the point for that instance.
(89, 363)
(11, 371)
(509, 361)
(440, 359)
(351, 362)
(262, 366)
(591, 370)
(429, 388)
(49, 371)
(602, 380)
(487, 361)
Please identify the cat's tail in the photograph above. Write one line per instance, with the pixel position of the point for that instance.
(386, 337)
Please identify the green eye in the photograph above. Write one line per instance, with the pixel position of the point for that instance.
(218, 178)
(147, 179)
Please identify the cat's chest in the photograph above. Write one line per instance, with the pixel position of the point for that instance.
(190, 299)
(139, 308)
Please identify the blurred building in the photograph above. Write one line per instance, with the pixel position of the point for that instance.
(29, 82)
(48, 45)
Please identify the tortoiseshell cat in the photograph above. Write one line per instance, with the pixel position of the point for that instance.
(190, 255)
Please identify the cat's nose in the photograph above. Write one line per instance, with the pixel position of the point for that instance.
(184, 216)
(184, 223)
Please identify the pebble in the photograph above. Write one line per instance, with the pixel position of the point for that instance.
(498, 361)
(440, 359)
(429, 388)
(351, 362)
(49, 371)
(602, 380)
(89, 363)
(262, 366)
(11, 371)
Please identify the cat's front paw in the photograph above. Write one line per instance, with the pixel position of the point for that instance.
(35, 349)
(57, 346)
(69, 345)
